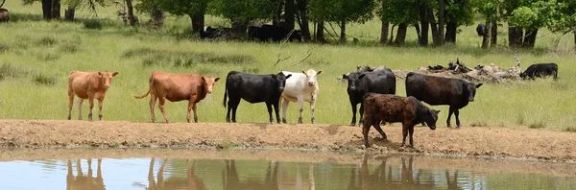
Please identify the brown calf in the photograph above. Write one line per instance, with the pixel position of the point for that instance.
(88, 85)
(178, 87)
(390, 108)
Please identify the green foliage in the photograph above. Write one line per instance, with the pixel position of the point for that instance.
(246, 10)
(92, 24)
(176, 7)
(341, 10)
(524, 17)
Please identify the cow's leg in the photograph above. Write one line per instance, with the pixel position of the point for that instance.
(301, 108)
(152, 105)
(189, 110)
(450, 111)
(365, 130)
(285, 103)
(80, 108)
(277, 111)
(195, 113)
(70, 105)
(361, 113)
(404, 133)
(376, 125)
(269, 107)
(161, 102)
(313, 109)
(353, 114)
(457, 114)
(232, 106)
(91, 104)
(100, 105)
(411, 132)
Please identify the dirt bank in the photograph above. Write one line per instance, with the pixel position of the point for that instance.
(474, 142)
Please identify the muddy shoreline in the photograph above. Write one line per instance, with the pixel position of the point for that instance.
(484, 142)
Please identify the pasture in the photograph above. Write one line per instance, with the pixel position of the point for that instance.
(36, 57)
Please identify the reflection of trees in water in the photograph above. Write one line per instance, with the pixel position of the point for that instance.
(83, 181)
(191, 182)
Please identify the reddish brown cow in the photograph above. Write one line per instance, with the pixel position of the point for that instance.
(390, 108)
(4, 15)
(88, 85)
(178, 87)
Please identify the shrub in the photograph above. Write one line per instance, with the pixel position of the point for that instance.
(93, 24)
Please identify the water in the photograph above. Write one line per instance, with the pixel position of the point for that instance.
(198, 170)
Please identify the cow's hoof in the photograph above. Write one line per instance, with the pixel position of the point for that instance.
(284, 121)
(300, 121)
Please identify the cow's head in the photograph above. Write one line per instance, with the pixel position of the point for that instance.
(431, 118)
(209, 83)
(311, 77)
(471, 88)
(353, 80)
(106, 78)
(281, 79)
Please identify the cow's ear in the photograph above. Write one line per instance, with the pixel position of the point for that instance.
(361, 76)
(304, 73)
(288, 76)
(216, 79)
(317, 73)
(99, 73)
(114, 74)
(344, 76)
(478, 85)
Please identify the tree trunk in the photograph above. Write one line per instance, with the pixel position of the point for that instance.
(55, 11)
(441, 22)
(391, 38)
(529, 38)
(198, 22)
(69, 13)
(47, 9)
(384, 32)
(401, 34)
(303, 17)
(574, 37)
(320, 32)
(423, 34)
(451, 28)
(156, 16)
(487, 39)
(436, 35)
(494, 36)
(289, 12)
(132, 20)
(342, 32)
(514, 37)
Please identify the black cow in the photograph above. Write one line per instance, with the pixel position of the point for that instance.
(540, 70)
(254, 89)
(480, 29)
(380, 81)
(441, 91)
(267, 32)
(212, 33)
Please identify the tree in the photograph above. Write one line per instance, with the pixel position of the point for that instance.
(399, 13)
(490, 9)
(241, 12)
(342, 12)
(194, 9)
(529, 16)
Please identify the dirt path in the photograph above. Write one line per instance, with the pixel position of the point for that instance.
(474, 142)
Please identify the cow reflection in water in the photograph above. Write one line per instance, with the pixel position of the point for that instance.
(82, 181)
(191, 182)
(274, 179)
(385, 177)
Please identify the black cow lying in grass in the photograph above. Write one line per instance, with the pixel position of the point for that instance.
(540, 70)
(391, 108)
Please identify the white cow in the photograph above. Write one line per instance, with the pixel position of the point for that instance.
(299, 88)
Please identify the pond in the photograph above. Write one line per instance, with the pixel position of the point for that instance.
(269, 170)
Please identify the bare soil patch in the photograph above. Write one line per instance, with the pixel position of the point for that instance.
(484, 142)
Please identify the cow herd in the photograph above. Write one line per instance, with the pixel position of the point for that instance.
(373, 88)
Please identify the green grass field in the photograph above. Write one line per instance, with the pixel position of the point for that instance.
(36, 57)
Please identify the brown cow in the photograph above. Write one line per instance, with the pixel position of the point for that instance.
(4, 15)
(178, 87)
(88, 85)
(390, 108)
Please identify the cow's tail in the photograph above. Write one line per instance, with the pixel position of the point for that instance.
(142, 96)
(225, 96)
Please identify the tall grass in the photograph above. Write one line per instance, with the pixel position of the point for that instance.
(50, 50)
